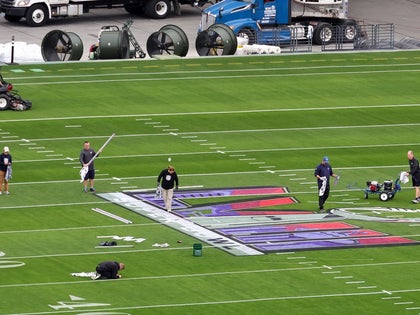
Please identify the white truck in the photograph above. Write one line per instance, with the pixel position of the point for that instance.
(39, 12)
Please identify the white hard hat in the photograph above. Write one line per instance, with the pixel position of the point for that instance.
(6, 149)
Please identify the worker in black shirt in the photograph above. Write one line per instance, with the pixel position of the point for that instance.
(415, 174)
(323, 172)
(168, 179)
(108, 270)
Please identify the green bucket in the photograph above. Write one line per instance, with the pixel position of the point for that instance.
(197, 249)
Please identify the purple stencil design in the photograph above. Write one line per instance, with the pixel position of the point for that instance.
(305, 236)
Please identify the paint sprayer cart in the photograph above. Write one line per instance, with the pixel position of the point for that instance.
(385, 191)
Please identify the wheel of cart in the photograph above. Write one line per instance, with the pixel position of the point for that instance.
(384, 196)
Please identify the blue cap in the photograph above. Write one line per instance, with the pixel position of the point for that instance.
(326, 159)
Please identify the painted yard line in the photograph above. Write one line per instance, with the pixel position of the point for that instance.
(213, 113)
(207, 303)
(307, 262)
(227, 77)
(354, 282)
(9, 137)
(79, 228)
(391, 298)
(177, 276)
(368, 287)
(55, 204)
(252, 70)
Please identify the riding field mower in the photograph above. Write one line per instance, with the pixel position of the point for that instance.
(10, 99)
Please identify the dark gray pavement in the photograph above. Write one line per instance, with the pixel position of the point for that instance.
(405, 14)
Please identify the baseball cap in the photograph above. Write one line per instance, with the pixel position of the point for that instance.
(326, 159)
(6, 149)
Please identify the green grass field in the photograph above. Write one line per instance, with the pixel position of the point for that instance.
(225, 122)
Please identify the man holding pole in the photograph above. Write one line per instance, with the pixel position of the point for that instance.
(86, 159)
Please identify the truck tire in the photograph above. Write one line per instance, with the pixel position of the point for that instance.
(323, 34)
(248, 34)
(4, 102)
(157, 9)
(134, 9)
(37, 15)
(12, 18)
(349, 29)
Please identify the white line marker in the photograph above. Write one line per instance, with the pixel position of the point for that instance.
(403, 303)
(287, 175)
(354, 282)
(45, 151)
(114, 216)
(116, 178)
(69, 158)
(300, 178)
(391, 297)
(143, 119)
(387, 292)
(298, 257)
(247, 159)
(119, 183)
(368, 287)
(221, 152)
(26, 140)
(307, 262)
(236, 155)
(73, 126)
(9, 137)
(173, 133)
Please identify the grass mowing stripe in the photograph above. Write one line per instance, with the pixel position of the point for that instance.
(208, 274)
(254, 300)
(212, 71)
(321, 108)
(220, 77)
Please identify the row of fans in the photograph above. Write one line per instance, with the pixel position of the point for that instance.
(116, 43)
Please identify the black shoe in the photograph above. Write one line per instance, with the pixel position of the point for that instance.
(92, 189)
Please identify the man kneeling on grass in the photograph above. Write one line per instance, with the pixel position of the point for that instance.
(108, 270)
